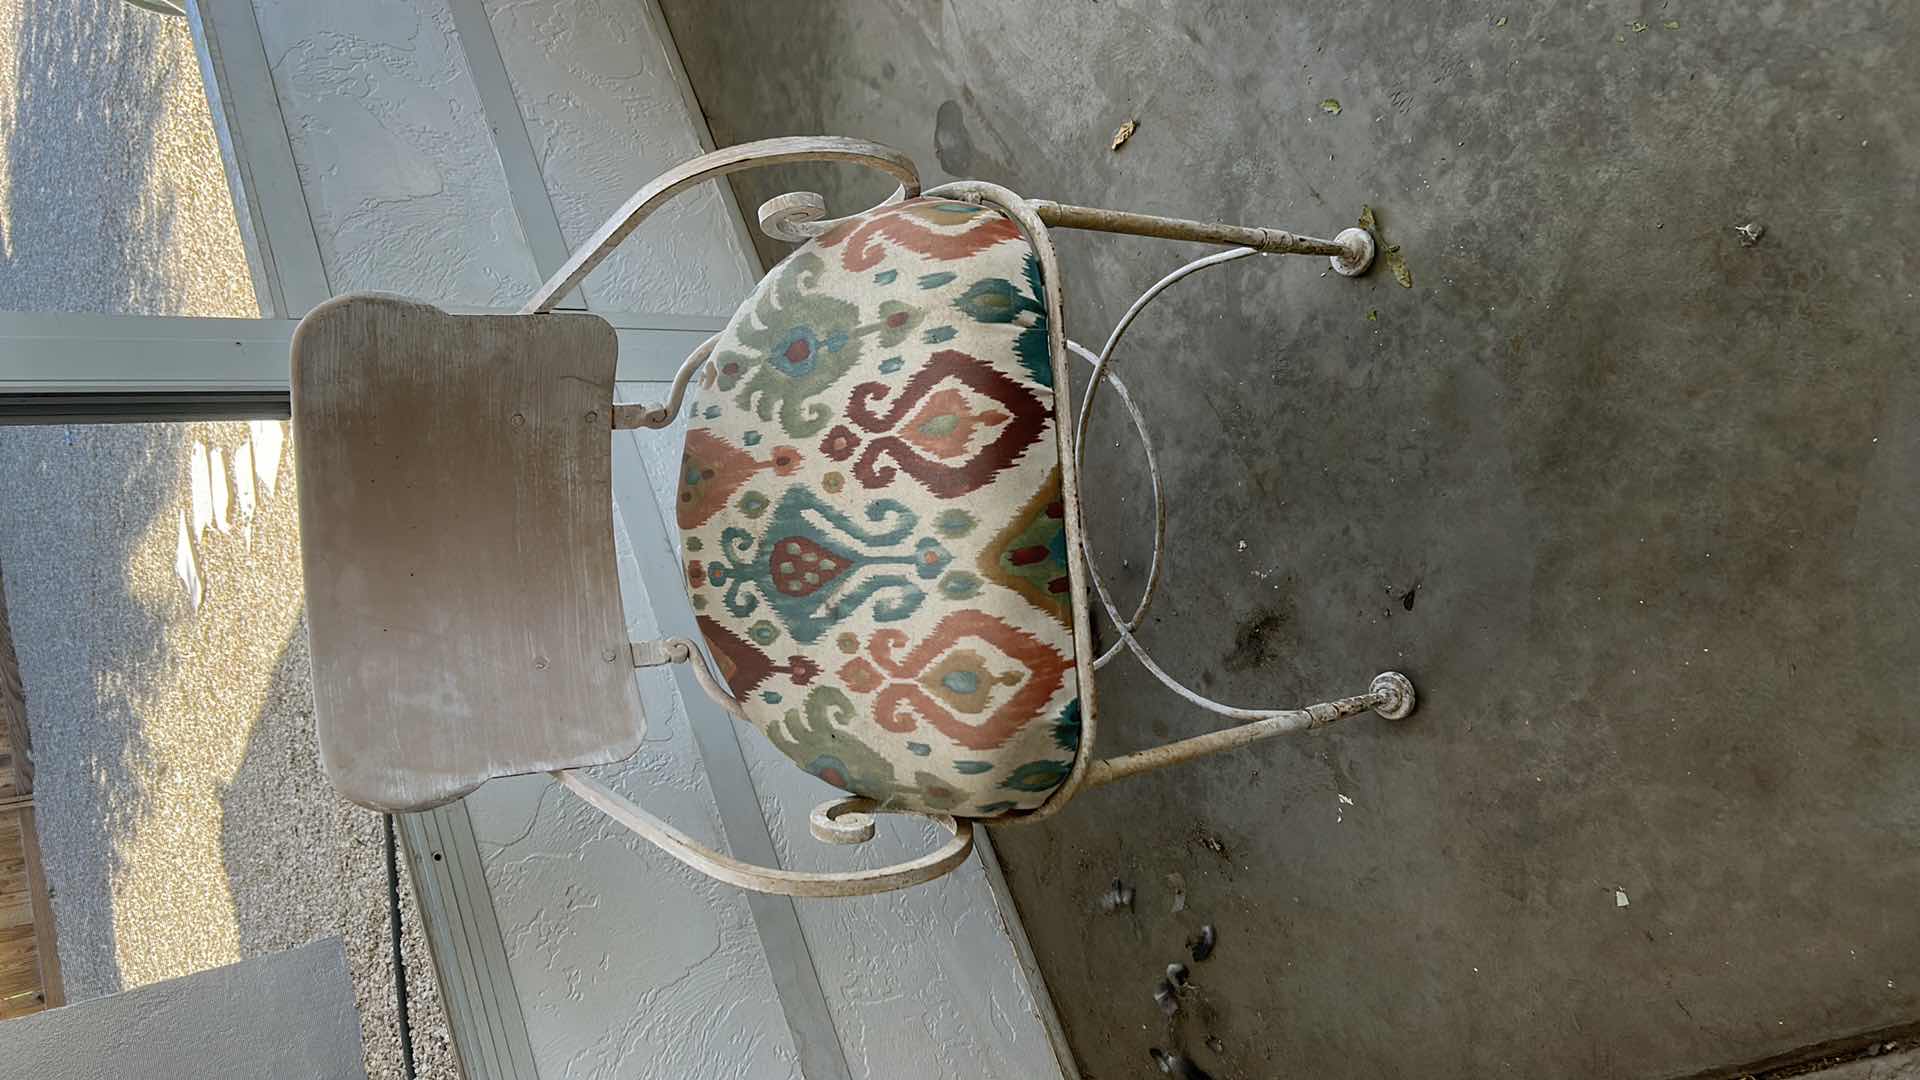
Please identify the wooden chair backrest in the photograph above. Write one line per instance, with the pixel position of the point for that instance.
(463, 605)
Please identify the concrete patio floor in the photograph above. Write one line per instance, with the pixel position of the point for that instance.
(1628, 496)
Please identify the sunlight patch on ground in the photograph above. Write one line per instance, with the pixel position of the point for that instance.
(11, 14)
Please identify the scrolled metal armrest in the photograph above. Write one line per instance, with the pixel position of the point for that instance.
(799, 216)
(844, 815)
(706, 167)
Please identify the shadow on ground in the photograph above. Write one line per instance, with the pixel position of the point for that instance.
(78, 502)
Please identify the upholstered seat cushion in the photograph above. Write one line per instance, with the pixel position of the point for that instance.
(871, 515)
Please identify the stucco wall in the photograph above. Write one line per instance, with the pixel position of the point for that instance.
(287, 1015)
(627, 962)
(393, 150)
(604, 112)
(921, 983)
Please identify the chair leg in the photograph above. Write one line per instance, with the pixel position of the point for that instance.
(1391, 696)
(1351, 252)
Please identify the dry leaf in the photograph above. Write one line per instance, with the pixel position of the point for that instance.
(1374, 315)
(1367, 220)
(1671, 24)
(1501, 21)
(1638, 26)
(1126, 132)
(1331, 107)
(1398, 264)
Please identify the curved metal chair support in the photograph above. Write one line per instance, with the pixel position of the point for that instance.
(661, 415)
(1035, 230)
(799, 216)
(772, 879)
(1391, 692)
(1103, 373)
(707, 167)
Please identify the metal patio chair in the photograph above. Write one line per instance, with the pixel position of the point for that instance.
(879, 506)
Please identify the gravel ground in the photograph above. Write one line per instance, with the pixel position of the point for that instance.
(183, 814)
(112, 193)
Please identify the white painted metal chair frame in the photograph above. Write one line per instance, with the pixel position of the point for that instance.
(800, 216)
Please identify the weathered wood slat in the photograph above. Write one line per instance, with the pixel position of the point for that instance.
(29, 954)
(457, 534)
(29, 963)
(46, 945)
(19, 970)
(16, 899)
(16, 743)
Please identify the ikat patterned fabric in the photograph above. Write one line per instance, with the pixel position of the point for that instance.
(871, 514)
